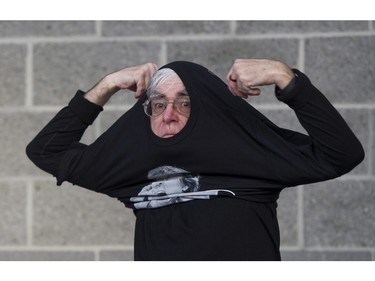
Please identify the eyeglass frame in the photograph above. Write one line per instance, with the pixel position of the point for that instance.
(167, 102)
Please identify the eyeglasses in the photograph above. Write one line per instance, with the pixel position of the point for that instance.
(154, 107)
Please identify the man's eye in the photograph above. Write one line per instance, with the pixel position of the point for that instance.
(185, 103)
(158, 105)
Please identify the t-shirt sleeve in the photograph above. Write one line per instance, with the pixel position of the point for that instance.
(62, 135)
(330, 142)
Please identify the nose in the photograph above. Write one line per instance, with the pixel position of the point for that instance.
(170, 114)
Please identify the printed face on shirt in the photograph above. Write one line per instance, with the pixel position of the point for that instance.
(171, 121)
(169, 186)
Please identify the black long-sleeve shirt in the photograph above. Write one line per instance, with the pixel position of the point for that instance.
(227, 151)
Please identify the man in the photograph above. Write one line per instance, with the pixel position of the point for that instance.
(192, 125)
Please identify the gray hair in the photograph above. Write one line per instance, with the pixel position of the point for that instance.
(159, 77)
(165, 172)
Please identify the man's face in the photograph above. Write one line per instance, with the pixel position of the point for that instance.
(171, 121)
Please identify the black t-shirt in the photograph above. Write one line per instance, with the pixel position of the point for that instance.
(210, 191)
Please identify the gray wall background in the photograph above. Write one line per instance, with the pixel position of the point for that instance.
(42, 64)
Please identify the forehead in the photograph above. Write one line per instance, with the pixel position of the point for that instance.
(171, 87)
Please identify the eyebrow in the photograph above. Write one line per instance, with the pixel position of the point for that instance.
(183, 93)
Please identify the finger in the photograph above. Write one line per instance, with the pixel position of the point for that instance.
(237, 88)
(231, 76)
(254, 91)
(151, 69)
(141, 87)
(237, 93)
(143, 81)
(154, 68)
(232, 86)
(244, 92)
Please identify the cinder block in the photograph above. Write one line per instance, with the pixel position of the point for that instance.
(108, 118)
(219, 55)
(324, 255)
(340, 214)
(45, 255)
(13, 213)
(18, 129)
(116, 255)
(287, 213)
(46, 28)
(284, 118)
(12, 74)
(359, 122)
(61, 69)
(70, 215)
(343, 67)
(287, 27)
(163, 28)
(371, 156)
(357, 119)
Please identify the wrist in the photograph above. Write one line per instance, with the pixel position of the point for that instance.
(102, 91)
(283, 76)
(284, 81)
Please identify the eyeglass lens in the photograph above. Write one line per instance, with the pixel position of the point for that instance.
(156, 106)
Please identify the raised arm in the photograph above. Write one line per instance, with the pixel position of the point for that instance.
(330, 149)
(133, 78)
(64, 131)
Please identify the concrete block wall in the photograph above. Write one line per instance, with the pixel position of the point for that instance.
(42, 64)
